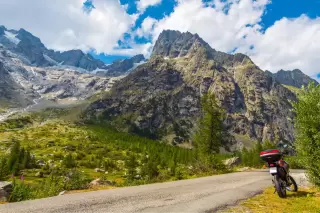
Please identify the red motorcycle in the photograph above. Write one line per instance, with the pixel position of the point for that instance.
(279, 169)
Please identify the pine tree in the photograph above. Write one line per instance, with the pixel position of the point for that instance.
(132, 165)
(3, 169)
(68, 161)
(13, 162)
(26, 160)
(211, 130)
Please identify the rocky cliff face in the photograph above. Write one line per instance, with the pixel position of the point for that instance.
(161, 98)
(295, 78)
(12, 94)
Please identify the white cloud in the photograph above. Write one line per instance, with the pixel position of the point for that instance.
(62, 24)
(146, 28)
(135, 49)
(289, 44)
(222, 30)
(144, 4)
(235, 24)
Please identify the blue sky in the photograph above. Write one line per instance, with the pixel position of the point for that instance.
(276, 34)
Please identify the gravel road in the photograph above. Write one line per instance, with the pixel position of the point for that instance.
(196, 195)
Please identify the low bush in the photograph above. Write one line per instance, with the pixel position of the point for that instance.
(56, 182)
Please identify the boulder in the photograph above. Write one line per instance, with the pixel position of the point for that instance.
(5, 190)
(40, 174)
(41, 163)
(243, 169)
(231, 162)
(95, 182)
(70, 148)
(62, 193)
(98, 170)
(99, 182)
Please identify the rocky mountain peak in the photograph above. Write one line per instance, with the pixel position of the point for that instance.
(138, 58)
(23, 35)
(34, 52)
(174, 44)
(2, 30)
(295, 78)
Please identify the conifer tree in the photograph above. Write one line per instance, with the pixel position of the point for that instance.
(210, 132)
(3, 169)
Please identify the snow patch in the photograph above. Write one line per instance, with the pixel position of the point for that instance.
(98, 70)
(12, 37)
(70, 68)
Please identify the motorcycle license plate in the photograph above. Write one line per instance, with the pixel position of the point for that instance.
(273, 170)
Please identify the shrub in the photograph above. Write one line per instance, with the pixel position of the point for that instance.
(295, 162)
(68, 161)
(75, 180)
(51, 186)
(307, 124)
(20, 192)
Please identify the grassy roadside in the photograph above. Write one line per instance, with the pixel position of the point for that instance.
(306, 200)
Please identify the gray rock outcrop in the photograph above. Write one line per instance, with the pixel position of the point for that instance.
(5, 190)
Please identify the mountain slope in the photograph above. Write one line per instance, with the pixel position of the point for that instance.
(161, 98)
(295, 78)
(21, 85)
(12, 94)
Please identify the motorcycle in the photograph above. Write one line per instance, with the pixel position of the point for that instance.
(279, 169)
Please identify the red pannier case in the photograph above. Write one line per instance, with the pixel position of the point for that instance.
(270, 155)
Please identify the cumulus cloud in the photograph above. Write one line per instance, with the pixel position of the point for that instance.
(289, 44)
(134, 49)
(236, 25)
(144, 4)
(146, 28)
(63, 25)
(224, 26)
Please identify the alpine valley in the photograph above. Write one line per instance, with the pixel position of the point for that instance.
(158, 98)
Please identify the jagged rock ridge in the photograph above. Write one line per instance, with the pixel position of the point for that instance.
(121, 67)
(295, 78)
(35, 53)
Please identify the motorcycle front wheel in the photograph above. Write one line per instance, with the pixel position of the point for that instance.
(280, 187)
(293, 185)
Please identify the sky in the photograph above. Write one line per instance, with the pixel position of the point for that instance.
(276, 34)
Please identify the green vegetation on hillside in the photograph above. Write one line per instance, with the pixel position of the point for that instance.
(292, 88)
(307, 124)
(64, 155)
